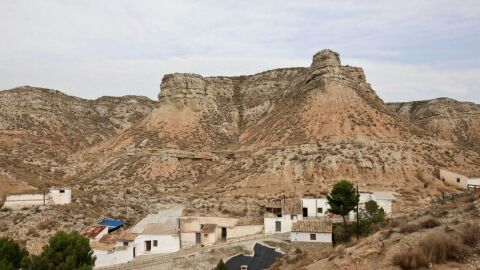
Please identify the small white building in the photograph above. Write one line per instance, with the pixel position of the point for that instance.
(199, 230)
(54, 196)
(315, 231)
(279, 217)
(314, 207)
(463, 181)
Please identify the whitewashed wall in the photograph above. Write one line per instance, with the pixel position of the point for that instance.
(451, 178)
(474, 181)
(166, 244)
(305, 237)
(244, 230)
(106, 258)
(61, 198)
(286, 222)
(313, 203)
(16, 202)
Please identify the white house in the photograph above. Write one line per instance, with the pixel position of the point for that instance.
(279, 217)
(314, 207)
(460, 180)
(199, 230)
(54, 196)
(156, 233)
(316, 231)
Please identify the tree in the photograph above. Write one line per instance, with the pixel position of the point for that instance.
(65, 251)
(342, 199)
(221, 266)
(371, 215)
(11, 254)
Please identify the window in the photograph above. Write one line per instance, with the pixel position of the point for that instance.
(319, 210)
(278, 226)
(458, 180)
(155, 243)
(443, 179)
(125, 243)
(313, 236)
(62, 190)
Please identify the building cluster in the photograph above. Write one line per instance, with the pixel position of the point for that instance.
(306, 220)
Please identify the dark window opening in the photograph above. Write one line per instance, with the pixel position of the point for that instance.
(313, 236)
(224, 233)
(155, 243)
(305, 212)
(458, 180)
(278, 226)
(319, 210)
(62, 190)
(125, 243)
(198, 238)
(443, 179)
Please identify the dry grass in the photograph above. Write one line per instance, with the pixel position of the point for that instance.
(436, 248)
(440, 248)
(411, 259)
(470, 234)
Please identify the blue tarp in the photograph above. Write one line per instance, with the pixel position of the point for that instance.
(113, 224)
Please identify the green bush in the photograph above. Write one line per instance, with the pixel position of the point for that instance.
(64, 251)
(11, 254)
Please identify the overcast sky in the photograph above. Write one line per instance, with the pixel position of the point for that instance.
(410, 50)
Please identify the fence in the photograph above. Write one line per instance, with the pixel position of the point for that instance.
(150, 261)
(451, 197)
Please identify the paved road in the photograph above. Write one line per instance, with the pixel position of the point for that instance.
(155, 261)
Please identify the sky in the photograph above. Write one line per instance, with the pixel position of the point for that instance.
(410, 50)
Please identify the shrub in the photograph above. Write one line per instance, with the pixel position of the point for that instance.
(440, 248)
(430, 223)
(409, 228)
(470, 234)
(410, 259)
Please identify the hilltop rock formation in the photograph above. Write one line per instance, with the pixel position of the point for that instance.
(445, 118)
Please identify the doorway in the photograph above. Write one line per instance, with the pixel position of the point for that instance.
(305, 212)
(198, 238)
(224, 233)
(148, 245)
(134, 252)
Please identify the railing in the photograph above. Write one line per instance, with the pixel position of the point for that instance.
(450, 197)
(145, 261)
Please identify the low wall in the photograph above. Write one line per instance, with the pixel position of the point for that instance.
(244, 230)
(24, 200)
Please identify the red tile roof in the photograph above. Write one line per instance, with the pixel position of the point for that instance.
(312, 226)
(93, 231)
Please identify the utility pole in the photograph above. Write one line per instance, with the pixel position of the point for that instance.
(358, 196)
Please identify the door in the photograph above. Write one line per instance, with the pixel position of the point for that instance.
(198, 238)
(305, 212)
(224, 233)
(148, 245)
(278, 226)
